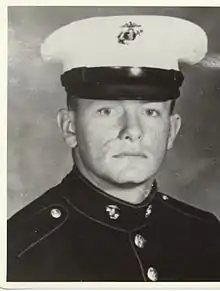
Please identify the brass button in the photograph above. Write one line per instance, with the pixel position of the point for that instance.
(165, 197)
(152, 274)
(55, 213)
(139, 241)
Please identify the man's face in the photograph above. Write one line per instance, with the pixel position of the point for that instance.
(122, 141)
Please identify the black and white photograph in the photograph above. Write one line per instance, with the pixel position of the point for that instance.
(113, 144)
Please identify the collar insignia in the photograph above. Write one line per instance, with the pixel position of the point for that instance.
(113, 211)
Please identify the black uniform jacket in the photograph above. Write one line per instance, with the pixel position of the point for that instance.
(76, 232)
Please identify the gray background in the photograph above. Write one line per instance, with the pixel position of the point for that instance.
(37, 156)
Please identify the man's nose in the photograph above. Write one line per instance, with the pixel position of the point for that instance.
(131, 129)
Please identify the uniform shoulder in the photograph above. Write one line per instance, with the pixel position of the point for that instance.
(37, 205)
(188, 210)
(36, 221)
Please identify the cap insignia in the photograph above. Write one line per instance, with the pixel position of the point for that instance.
(130, 30)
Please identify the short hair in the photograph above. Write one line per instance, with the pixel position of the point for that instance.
(172, 105)
(71, 102)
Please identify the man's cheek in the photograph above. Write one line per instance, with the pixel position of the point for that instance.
(155, 145)
(95, 146)
(154, 137)
(160, 135)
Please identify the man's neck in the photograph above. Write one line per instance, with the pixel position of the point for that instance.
(135, 194)
(132, 193)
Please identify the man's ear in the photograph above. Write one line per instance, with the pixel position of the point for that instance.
(175, 123)
(66, 124)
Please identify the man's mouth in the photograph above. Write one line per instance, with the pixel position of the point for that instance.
(130, 154)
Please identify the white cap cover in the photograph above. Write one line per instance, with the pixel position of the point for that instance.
(132, 40)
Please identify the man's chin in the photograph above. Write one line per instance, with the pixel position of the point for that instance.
(131, 178)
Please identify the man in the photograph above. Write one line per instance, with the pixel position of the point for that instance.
(106, 221)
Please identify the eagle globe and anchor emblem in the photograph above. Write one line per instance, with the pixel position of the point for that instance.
(129, 33)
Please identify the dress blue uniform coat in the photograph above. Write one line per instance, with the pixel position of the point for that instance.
(76, 232)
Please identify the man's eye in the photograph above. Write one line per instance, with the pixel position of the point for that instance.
(151, 112)
(105, 111)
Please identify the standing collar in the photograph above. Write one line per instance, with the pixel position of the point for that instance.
(97, 205)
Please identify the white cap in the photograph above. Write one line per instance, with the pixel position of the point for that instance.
(131, 40)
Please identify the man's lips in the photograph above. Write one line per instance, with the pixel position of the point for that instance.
(130, 154)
